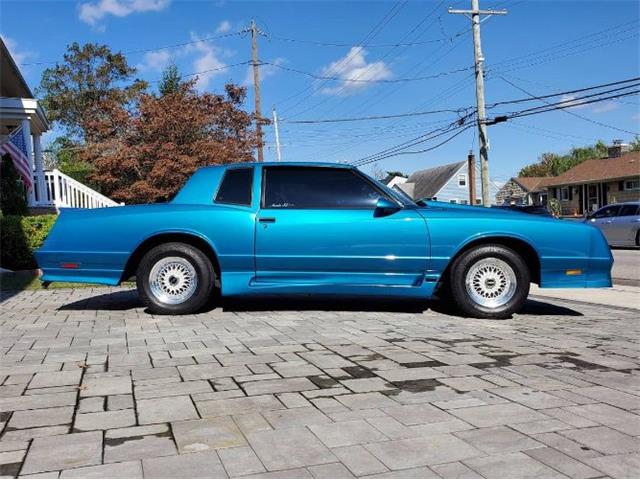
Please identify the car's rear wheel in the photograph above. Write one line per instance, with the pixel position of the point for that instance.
(489, 281)
(175, 279)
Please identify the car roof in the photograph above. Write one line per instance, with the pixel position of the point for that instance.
(633, 202)
(283, 164)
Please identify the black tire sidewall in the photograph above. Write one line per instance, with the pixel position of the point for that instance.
(463, 264)
(204, 271)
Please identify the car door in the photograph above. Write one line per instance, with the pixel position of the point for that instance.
(625, 224)
(320, 225)
(604, 218)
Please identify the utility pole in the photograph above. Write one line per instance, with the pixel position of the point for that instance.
(475, 14)
(471, 166)
(256, 86)
(275, 130)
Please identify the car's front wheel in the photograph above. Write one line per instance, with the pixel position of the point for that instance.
(175, 279)
(490, 281)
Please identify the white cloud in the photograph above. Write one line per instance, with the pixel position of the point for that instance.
(18, 55)
(354, 66)
(154, 61)
(224, 27)
(606, 107)
(208, 61)
(266, 71)
(569, 101)
(92, 12)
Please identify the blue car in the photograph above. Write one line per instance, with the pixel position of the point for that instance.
(312, 228)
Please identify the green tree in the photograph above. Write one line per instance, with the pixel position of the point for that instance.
(171, 80)
(553, 164)
(635, 144)
(68, 156)
(72, 91)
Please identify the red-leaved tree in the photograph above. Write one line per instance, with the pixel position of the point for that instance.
(147, 153)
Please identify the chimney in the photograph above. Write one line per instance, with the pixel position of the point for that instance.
(617, 148)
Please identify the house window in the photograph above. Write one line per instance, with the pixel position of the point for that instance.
(464, 202)
(478, 201)
(564, 194)
(453, 201)
(462, 180)
(632, 185)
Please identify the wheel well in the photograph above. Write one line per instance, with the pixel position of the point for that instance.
(149, 243)
(522, 248)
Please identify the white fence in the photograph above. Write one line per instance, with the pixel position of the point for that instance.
(63, 191)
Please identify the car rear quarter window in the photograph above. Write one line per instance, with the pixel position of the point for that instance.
(313, 188)
(628, 210)
(235, 188)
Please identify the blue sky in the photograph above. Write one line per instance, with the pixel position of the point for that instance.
(540, 46)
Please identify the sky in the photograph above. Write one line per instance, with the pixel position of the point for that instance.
(373, 59)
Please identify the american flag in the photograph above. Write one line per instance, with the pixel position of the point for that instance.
(16, 147)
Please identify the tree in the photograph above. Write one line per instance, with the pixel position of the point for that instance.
(73, 91)
(552, 164)
(635, 144)
(146, 154)
(67, 154)
(171, 80)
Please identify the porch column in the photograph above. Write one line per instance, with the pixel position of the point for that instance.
(26, 131)
(37, 157)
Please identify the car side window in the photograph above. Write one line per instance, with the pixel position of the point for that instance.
(628, 210)
(235, 188)
(313, 188)
(607, 212)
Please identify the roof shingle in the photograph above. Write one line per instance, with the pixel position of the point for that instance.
(600, 169)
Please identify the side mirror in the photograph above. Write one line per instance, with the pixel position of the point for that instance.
(384, 206)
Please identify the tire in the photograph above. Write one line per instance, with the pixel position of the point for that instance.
(175, 279)
(489, 281)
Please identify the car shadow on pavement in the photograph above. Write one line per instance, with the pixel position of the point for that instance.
(128, 300)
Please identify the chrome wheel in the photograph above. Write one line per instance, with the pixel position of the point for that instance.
(491, 282)
(173, 280)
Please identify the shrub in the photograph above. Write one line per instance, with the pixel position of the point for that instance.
(12, 195)
(20, 237)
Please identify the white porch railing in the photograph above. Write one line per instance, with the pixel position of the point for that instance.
(64, 191)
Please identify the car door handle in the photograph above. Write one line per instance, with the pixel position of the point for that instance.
(267, 220)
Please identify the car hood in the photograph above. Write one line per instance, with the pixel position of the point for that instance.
(479, 211)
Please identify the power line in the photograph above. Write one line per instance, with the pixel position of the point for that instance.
(202, 72)
(551, 95)
(145, 50)
(570, 112)
(377, 117)
(395, 9)
(364, 80)
(378, 45)
(458, 131)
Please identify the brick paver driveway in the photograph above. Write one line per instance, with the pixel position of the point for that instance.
(91, 385)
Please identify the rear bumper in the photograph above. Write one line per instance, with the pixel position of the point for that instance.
(103, 268)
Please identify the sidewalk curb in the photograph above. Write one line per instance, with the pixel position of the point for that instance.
(582, 302)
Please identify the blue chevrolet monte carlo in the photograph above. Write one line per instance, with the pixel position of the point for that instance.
(310, 228)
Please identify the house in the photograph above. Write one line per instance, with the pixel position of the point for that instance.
(19, 109)
(598, 182)
(524, 191)
(446, 183)
(22, 116)
(395, 180)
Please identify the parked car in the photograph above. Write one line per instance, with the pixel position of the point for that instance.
(311, 228)
(530, 209)
(619, 222)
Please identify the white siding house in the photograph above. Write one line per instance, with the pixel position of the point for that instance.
(446, 183)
